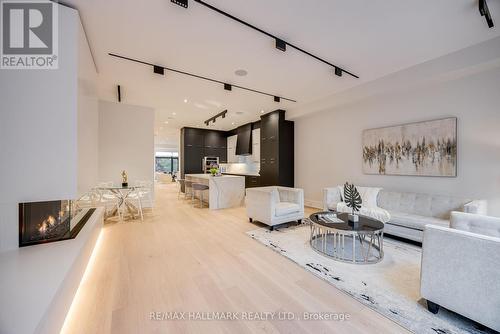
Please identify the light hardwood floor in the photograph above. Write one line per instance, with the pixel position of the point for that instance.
(187, 259)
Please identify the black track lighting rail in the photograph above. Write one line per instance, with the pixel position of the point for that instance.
(119, 93)
(280, 44)
(213, 119)
(159, 69)
(484, 11)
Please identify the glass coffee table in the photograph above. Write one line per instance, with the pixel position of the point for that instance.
(333, 235)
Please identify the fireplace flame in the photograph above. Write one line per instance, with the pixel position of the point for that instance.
(51, 220)
(43, 227)
(46, 224)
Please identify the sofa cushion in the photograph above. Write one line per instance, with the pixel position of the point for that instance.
(368, 195)
(437, 206)
(415, 221)
(286, 208)
(375, 213)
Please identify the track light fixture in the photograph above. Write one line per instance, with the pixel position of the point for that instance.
(119, 93)
(484, 11)
(182, 3)
(338, 72)
(277, 99)
(213, 119)
(158, 70)
(279, 43)
(161, 70)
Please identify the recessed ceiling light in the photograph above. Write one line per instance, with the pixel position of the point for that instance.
(262, 111)
(241, 72)
(166, 122)
(174, 113)
(201, 106)
(232, 123)
(185, 101)
(213, 103)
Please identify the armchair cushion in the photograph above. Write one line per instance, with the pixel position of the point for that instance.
(479, 224)
(286, 208)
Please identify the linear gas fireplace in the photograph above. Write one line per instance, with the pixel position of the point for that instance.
(42, 222)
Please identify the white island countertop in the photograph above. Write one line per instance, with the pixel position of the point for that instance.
(225, 191)
(208, 176)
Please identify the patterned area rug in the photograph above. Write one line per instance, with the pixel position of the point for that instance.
(390, 287)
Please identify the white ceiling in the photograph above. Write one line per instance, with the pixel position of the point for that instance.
(371, 38)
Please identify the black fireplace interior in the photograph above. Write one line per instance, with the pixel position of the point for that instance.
(42, 222)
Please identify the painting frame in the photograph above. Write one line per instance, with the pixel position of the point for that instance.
(402, 150)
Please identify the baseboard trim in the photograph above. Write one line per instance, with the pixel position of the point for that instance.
(313, 204)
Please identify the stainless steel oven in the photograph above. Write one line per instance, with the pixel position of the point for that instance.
(208, 162)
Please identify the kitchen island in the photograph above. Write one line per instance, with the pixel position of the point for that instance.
(225, 191)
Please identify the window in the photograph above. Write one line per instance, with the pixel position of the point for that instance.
(167, 162)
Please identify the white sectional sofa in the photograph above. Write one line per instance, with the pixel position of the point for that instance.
(410, 212)
(274, 205)
(461, 267)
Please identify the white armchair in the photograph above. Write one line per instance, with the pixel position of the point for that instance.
(275, 205)
(461, 267)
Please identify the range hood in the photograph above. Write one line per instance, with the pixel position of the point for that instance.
(244, 140)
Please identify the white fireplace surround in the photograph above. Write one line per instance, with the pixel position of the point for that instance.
(32, 302)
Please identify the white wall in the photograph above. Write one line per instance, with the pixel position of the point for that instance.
(87, 117)
(38, 132)
(328, 143)
(126, 142)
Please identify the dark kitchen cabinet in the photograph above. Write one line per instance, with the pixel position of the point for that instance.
(276, 150)
(252, 181)
(222, 154)
(193, 137)
(215, 139)
(215, 145)
(193, 160)
(197, 144)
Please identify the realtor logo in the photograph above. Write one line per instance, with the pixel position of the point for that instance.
(29, 35)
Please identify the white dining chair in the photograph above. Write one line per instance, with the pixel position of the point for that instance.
(146, 192)
(107, 199)
(88, 200)
(134, 197)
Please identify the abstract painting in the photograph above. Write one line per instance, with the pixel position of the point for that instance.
(423, 149)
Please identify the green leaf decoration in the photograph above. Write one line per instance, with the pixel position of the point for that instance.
(352, 197)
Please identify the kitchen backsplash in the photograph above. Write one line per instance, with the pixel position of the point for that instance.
(247, 167)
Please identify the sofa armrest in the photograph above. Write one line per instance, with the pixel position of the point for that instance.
(479, 207)
(331, 196)
(460, 272)
(474, 223)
